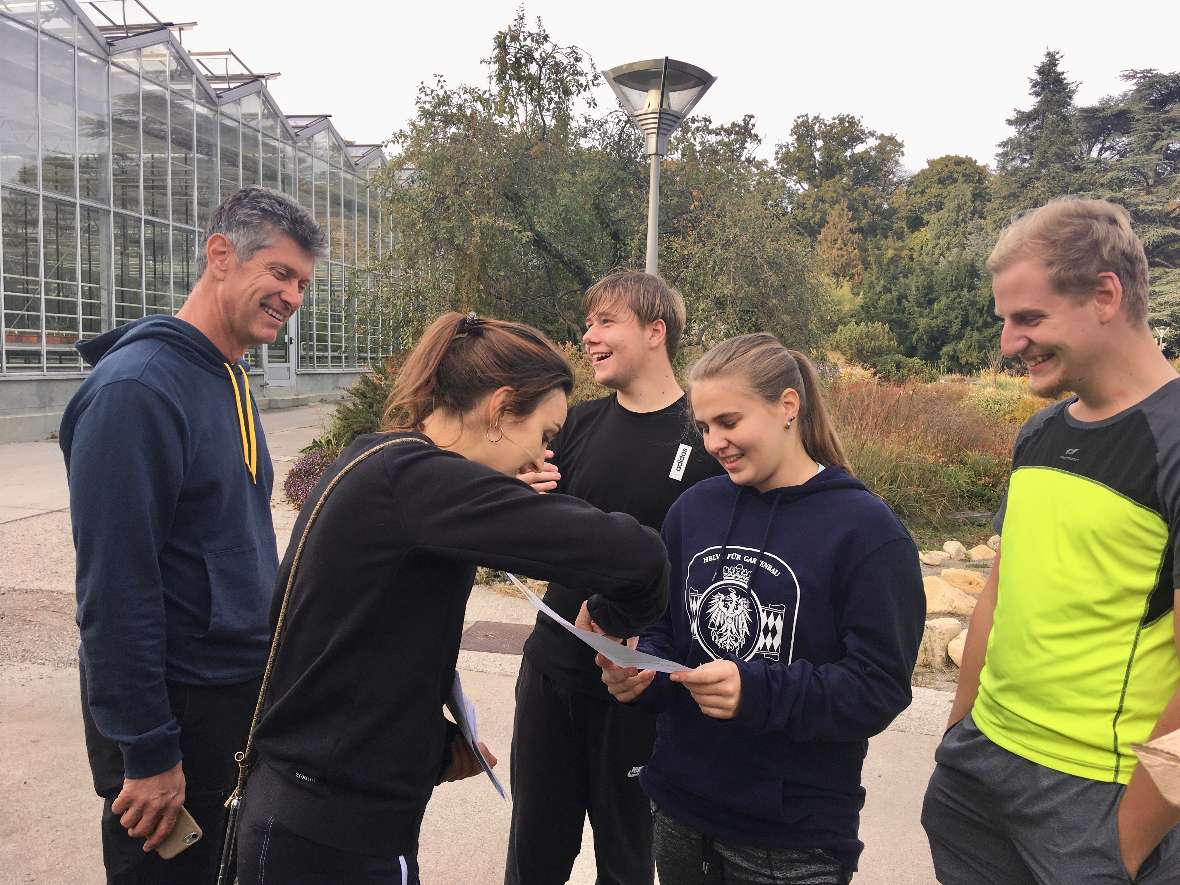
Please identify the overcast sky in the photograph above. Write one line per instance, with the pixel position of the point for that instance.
(942, 77)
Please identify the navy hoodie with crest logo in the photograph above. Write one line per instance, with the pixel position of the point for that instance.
(170, 484)
(815, 592)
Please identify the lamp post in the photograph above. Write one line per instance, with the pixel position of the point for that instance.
(657, 95)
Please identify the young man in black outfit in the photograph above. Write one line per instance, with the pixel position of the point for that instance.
(574, 751)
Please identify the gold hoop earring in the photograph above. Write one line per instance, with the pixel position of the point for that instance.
(488, 434)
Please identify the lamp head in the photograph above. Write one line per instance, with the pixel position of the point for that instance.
(657, 95)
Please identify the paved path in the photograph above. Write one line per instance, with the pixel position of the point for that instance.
(48, 819)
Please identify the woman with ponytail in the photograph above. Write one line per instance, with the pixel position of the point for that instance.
(797, 610)
(369, 608)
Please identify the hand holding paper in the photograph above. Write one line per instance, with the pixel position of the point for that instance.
(611, 649)
(463, 712)
(716, 687)
(624, 683)
(465, 760)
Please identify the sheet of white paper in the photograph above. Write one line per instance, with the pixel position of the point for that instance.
(463, 712)
(619, 655)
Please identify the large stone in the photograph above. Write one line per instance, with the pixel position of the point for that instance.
(954, 648)
(981, 553)
(933, 557)
(943, 598)
(955, 550)
(994, 543)
(967, 580)
(935, 637)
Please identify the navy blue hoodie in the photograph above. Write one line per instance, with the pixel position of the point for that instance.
(170, 484)
(816, 593)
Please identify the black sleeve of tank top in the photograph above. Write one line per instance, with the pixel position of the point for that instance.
(460, 509)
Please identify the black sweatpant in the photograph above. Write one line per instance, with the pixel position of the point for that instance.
(214, 720)
(574, 755)
(269, 852)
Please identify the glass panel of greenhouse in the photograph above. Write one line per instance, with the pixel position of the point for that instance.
(115, 150)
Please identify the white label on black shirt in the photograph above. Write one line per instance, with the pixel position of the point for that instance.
(682, 453)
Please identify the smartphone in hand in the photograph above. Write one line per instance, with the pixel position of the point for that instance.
(185, 834)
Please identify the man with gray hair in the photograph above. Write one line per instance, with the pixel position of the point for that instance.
(170, 485)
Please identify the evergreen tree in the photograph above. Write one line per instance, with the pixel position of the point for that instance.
(927, 192)
(838, 247)
(1044, 157)
(1137, 142)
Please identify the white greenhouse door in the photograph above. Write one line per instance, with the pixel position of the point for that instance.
(279, 369)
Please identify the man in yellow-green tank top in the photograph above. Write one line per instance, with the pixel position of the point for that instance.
(1072, 655)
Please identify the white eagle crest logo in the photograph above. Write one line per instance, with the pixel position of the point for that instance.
(730, 618)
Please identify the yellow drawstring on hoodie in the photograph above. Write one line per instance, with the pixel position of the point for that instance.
(245, 424)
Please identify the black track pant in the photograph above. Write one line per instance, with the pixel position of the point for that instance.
(270, 853)
(574, 755)
(213, 721)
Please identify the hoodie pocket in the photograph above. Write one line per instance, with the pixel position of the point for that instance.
(746, 792)
(765, 800)
(238, 600)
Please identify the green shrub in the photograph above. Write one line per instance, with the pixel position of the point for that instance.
(863, 343)
(1005, 397)
(361, 408)
(897, 369)
(359, 412)
(997, 403)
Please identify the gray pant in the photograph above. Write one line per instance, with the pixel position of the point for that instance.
(995, 818)
(685, 857)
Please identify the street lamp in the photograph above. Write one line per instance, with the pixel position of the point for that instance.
(657, 94)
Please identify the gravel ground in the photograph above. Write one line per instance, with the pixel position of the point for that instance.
(37, 591)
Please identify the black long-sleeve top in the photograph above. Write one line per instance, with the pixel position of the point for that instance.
(352, 736)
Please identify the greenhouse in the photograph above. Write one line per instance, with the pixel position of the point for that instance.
(116, 143)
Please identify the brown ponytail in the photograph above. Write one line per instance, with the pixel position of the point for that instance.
(769, 369)
(461, 358)
(819, 435)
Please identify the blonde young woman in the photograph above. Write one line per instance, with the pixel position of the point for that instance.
(797, 605)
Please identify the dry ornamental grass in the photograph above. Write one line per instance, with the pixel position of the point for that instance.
(928, 449)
